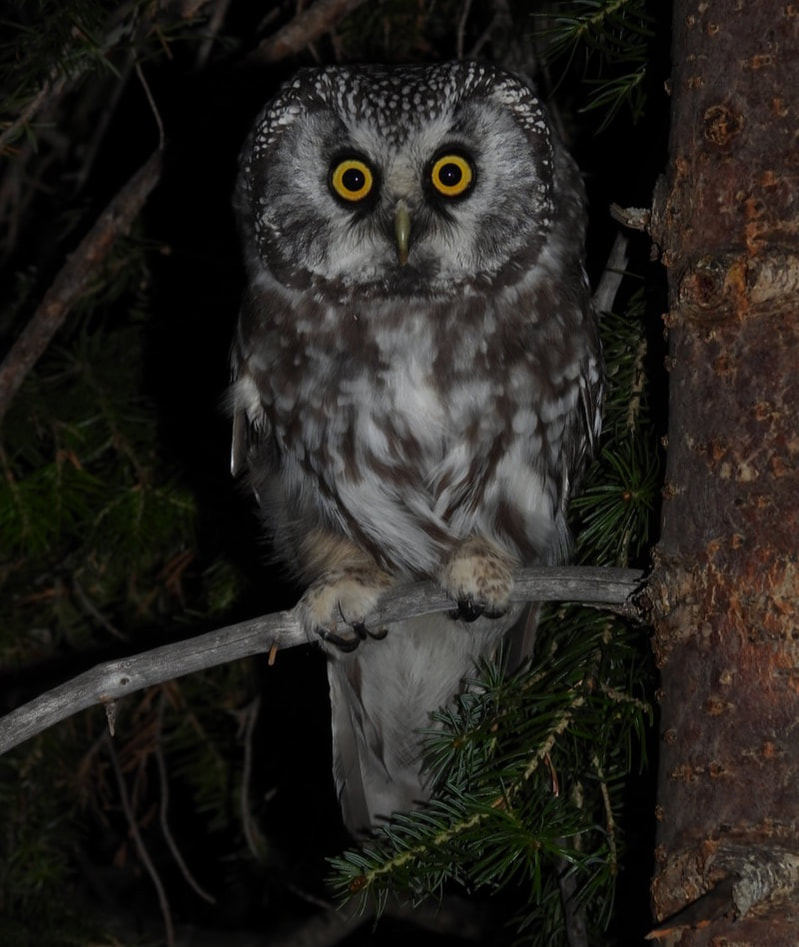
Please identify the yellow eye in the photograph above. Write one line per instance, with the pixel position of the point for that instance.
(351, 179)
(452, 175)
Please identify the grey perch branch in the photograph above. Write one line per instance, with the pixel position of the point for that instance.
(612, 589)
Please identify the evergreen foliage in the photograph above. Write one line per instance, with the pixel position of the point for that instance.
(119, 528)
(611, 41)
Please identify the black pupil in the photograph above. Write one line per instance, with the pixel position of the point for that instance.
(353, 179)
(450, 175)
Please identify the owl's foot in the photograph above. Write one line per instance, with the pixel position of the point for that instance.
(335, 606)
(479, 577)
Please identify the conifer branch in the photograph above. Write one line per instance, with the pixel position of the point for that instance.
(611, 589)
(305, 28)
(366, 881)
(50, 90)
(74, 277)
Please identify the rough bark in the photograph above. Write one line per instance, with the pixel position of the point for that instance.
(726, 584)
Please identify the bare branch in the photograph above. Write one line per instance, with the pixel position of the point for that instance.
(214, 26)
(462, 20)
(153, 106)
(252, 835)
(612, 275)
(305, 28)
(636, 218)
(163, 809)
(73, 278)
(141, 848)
(612, 589)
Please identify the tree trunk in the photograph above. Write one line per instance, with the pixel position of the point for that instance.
(726, 583)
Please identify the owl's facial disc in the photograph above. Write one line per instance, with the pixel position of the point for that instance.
(411, 181)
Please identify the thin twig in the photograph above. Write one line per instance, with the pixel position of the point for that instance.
(214, 26)
(164, 809)
(483, 39)
(140, 846)
(51, 89)
(103, 122)
(92, 610)
(610, 589)
(612, 275)
(73, 278)
(462, 20)
(303, 29)
(251, 834)
(610, 821)
(153, 107)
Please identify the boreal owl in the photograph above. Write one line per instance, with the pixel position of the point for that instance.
(417, 378)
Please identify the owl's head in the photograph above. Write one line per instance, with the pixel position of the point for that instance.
(412, 180)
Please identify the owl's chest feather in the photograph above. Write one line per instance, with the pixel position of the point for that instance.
(409, 430)
(384, 399)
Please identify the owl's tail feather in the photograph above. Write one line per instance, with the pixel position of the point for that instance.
(383, 694)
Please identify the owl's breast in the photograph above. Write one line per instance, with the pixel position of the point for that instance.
(408, 429)
(400, 389)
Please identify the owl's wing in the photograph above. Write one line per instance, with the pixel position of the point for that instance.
(592, 398)
(581, 438)
(238, 443)
(250, 424)
(239, 434)
(521, 637)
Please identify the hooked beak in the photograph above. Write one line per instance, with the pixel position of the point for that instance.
(402, 231)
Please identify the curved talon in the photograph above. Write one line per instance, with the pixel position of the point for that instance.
(350, 644)
(469, 611)
(494, 612)
(343, 644)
